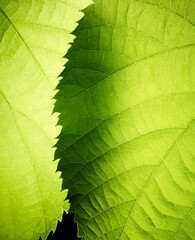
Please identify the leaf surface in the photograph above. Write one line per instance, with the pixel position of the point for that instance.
(127, 110)
(34, 36)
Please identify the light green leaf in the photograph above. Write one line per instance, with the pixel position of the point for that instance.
(34, 36)
(127, 110)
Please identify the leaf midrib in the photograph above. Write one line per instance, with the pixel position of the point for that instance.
(29, 49)
(131, 64)
(182, 222)
(126, 109)
(155, 169)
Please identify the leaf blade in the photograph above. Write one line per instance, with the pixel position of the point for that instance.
(130, 71)
(34, 37)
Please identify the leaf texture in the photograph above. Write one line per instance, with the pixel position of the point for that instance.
(127, 110)
(34, 36)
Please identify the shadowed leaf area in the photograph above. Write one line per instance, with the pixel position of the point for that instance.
(127, 110)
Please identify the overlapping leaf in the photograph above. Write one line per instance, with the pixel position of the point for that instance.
(127, 109)
(34, 36)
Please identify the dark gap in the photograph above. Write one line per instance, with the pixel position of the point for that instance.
(66, 230)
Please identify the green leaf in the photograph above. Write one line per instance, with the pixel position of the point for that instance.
(127, 110)
(34, 36)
